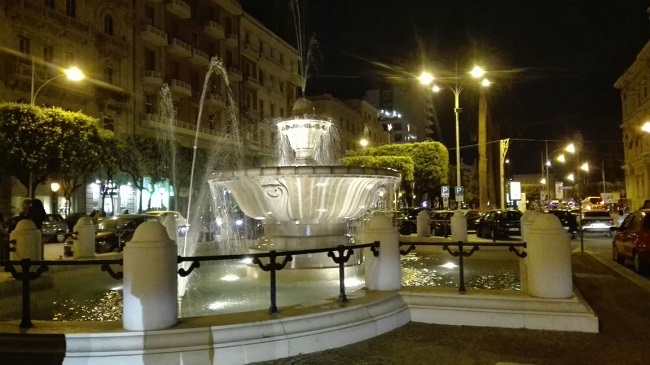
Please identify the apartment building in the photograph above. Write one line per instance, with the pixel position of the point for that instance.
(634, 86)
(128, 49)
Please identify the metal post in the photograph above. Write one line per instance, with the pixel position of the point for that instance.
(602, 169)
(461, 269)
(26, 318)
(342, 297)
(548, 183)
(274, 308)
(457, 113)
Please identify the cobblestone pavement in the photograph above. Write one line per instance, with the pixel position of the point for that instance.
(622, 307)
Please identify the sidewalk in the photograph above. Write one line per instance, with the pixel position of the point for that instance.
(622, 306)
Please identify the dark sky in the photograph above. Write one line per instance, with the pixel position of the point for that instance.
(554, 62)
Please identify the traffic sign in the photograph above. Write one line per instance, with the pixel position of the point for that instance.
(460, 194)
(444, 191)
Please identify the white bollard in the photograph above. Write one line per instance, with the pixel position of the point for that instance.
(150, 279)
(458, 227)
(171, 227)
(29, 241)
(383, 272)
(83, 245)
(424, 224)
(549, 259)
(527, 221)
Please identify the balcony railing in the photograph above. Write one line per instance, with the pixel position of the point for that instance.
(179, 48)
(232, 40)
(43, 12)
(153, 35)
(152, 78)
(214, 29)
(180, 87)
(179, 8)
(199, 57)
(109, 44)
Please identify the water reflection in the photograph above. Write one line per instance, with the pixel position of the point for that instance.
(440, 270)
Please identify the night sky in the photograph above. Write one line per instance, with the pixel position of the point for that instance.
(553, 62)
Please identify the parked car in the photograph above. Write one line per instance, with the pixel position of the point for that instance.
(411, 215)
(499, 223)
(181, 222)
(114, 232)
(598, 221)
(568, 220)
(54, 228)
(441, 223)
(404, 225)
(472, 216)
(632, 240)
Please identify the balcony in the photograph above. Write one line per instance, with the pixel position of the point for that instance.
(179, 48)
(184, 128)
(232, 40)
(19, 71)
(199, 57)
(214, 30)
(249, 51)
(295, 79)
(215, 100)
(274, 65)
(234, 74)
(111, 46)
(179, 87)
(252, 82)
(230, 6)
(179, 8)
(153, 35)
(36, 14)
(152, 79)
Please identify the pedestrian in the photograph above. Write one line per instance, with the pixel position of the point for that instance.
(36, 213)
(23, 214)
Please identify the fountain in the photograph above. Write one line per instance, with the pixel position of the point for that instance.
(305, 202)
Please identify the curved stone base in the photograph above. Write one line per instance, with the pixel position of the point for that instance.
(306, 274)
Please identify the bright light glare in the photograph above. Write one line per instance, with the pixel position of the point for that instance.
(570, 177)
(485, 83)
(435, 88)
(571, 148)
(363, 142)
(449, 265)
(352, 282)
(239, 222)
(646, 127)
(247, 261)
(217, 305)
(542, 181)
(585, 167)
(548, 163)
(425, 78)
(561, 158)
(477, 72)
(230, 277)
(74, 74)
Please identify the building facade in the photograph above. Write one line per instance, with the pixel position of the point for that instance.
(634, 86)
(128, 50)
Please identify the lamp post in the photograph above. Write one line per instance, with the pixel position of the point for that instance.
(55, 187)
(72, 74)
(456, 86)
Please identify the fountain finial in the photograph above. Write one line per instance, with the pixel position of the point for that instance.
(303, 106)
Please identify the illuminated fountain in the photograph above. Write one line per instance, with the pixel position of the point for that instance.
(305, 202)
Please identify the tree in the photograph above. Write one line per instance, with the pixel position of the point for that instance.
(430, 162)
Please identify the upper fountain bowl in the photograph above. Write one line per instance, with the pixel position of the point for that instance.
(306, 194)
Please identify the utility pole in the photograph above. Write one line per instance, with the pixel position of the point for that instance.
(482, 152)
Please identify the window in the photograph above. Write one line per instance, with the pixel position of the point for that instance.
(108, 123)
(49, 3)
(108, 24)
(150, 14)
(71, 8)
(149, 105)
(108, 74)
(149, 59)
(195, 39)
(23, 45)
(48, 54)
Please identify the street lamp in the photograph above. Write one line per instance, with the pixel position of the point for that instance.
(456, 87)
(363, 142)
(55, 187)
(72, 74)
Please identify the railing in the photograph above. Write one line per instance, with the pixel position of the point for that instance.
(45, 12)
(25, 276)
(277, 261)
(461, 253)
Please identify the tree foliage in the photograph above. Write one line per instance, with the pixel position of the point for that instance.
(402, 164)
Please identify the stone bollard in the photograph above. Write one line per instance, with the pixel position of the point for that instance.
(83, 245)
(171, 227)
(150, 279)
(383, 272)
(424, 224)
(458, 227)
(549, 259)
(527, 221)
(29, 241)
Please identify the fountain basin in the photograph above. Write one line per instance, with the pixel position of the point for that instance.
(306, 194)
